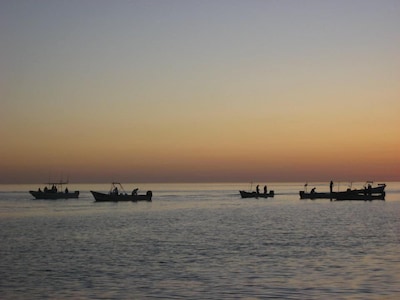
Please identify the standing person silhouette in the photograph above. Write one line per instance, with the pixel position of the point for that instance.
(258, 189)
(331, 186)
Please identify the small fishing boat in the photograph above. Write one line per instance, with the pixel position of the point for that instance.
(257, 193)
(367, 193)
(245, 194)
(54, 191)
(360, 197)
(369, 189)
(348, 195)
(315, 195)
(117, 193)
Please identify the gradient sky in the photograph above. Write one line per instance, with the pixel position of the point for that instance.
(186, 91)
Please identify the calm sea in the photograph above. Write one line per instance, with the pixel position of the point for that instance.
(199, 241)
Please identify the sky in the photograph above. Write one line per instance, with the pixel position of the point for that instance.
(199, 91)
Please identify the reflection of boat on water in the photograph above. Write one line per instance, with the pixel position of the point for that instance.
(245, 194)
(117, 193)
(53, 191)
(367, 193)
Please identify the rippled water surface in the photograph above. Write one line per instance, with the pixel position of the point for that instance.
(199, 241)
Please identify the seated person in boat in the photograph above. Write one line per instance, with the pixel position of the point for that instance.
(115, 191)
(135, 192)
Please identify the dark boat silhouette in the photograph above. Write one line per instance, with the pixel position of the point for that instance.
(115, 195)
(245, 194)
(54, 191)
(315, 195)
(366, 193)
(360, 197)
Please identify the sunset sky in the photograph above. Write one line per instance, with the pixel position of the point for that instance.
(194, 91)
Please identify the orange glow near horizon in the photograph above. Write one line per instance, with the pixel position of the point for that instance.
(150, 96)
(211, 160)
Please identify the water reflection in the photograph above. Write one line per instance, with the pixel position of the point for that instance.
(199, 243)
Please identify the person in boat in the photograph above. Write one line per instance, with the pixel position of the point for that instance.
(331, 186)
(313, 190)
(115, 191)
(257, 189)
(265, 189)
(66, 190)
(369, 192)
(45, 189)
(135, 192)
(39, 190)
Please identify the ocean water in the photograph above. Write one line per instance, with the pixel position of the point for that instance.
(199, 241)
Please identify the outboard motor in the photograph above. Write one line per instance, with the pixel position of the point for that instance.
(149, 194)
